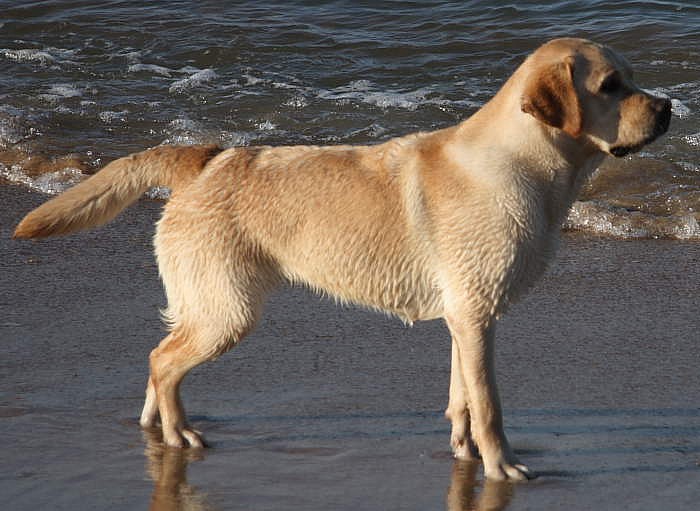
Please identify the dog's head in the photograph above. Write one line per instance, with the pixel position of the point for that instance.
(586, 90)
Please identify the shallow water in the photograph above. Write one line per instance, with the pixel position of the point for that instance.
(83, 83)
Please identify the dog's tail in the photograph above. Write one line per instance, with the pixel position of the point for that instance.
(102, 197)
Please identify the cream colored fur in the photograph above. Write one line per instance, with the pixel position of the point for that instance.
(454, 224)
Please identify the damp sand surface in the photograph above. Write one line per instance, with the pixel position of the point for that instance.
(327, 407)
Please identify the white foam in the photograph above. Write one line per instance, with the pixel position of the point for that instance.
(252, 80)
(689, 166)
(11, 132)
(594, 217)
(374, 130)
(679, 109)
(59, 92)
(53, 183)
(693, 140)
(197, 79)
(235, 139)
(29, 55)
(185, 131)
(601, 218)
(13, 127)
(109, 116)
(44, 57)
(50, 183)
(298, 101)
(150, 68)
(408, 100)
(290, 86)
(357, 91)
(365, 92)
(65, 90)
(658, 92)
(159, 193)
(688, 228)
(266, 126)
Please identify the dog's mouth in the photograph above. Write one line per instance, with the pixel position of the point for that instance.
(621, 151)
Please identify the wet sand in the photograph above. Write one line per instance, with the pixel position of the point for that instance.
(326, 407)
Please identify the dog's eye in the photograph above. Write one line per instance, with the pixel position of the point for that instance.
(611, 84)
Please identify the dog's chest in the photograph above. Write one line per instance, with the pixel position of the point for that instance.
(507, 242)
(531, 239)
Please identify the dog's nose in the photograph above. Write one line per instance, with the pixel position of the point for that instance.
(662, 107)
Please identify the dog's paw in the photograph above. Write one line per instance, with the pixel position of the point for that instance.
(148, 421)
(464, 449)
(183, 437)
(508, 471)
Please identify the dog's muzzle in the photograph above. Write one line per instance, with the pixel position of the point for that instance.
(662, 106)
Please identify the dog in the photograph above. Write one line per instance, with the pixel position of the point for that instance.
(454, 224)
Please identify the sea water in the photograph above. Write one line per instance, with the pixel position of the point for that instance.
(83, 83)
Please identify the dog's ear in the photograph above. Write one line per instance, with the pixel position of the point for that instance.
(550, 96)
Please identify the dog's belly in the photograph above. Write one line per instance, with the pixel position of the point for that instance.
(400, 283)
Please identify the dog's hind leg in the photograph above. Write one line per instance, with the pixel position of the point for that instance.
(216, 282)
(186, 347)
(170, 362)
(150, 407)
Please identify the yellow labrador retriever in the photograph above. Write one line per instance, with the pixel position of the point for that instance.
(454, 224)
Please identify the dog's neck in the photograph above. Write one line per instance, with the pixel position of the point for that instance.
(550, 154)
(553, 163)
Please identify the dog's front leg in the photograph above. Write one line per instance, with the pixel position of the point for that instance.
(457, 411)
(474, 342)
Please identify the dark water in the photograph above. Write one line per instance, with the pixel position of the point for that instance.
(84, 82)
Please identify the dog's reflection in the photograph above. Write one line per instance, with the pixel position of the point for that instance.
(167, 466)
(462, 494)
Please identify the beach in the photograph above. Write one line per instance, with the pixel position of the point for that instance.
(329, 407)
(326, 406)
